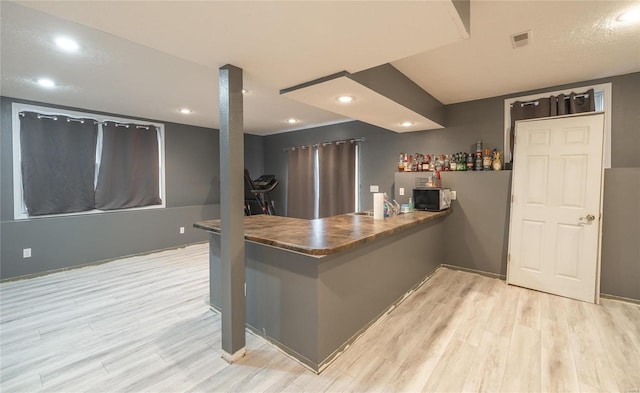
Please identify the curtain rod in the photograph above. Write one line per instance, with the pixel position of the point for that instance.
(537, 101)
(82, 119)
(356, 140)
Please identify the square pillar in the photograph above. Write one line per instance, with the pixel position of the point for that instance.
(232, 213)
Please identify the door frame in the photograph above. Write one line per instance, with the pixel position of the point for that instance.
(600, 207)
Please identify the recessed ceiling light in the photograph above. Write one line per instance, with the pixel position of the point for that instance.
(345, 99)
(48, 83)
(67, 44)
(292, 121)
(245, 91)
(406, 123)
(631, 15)
(186, 111)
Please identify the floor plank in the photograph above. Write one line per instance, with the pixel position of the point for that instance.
(523, 363)
(414, 372)
(452, 368)
(528, 312)
(592, 365)
(558, 372)
(487, 369)
(621, 350)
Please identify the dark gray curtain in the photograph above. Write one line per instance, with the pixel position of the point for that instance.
(58, 159)
(337, 172)
(300, 189)
(129, 169)
(551, 106)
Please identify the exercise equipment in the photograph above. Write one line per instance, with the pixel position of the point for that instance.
(256, 194)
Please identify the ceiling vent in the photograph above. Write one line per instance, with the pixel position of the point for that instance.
(521, 39)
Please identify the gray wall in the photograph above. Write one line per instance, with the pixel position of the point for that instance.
(467, 122)
(311, 307)
(192, 194)
(391, 83)
(464, 10)
(192, 171)
(476, 232)
(58, 243)
(254, 155)
(383, 271)
(481, 201)
(379, 154)
(192, 181)
(625, 116)
(620, 234)
(625, 122)
(477, 235)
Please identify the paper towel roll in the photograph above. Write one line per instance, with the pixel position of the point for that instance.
(378, 206)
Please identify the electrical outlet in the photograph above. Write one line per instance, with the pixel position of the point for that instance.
(373, 188)
(401, 190)
(454, 195)
(182, 230)
(26, 253)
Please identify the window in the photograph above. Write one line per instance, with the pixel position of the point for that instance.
(68, 162)
(602, 98)
(323, 179)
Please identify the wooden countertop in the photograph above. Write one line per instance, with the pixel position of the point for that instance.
(323, 236)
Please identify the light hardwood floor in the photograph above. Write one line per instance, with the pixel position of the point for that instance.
(143, 324)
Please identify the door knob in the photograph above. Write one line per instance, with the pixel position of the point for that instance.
(588, 218)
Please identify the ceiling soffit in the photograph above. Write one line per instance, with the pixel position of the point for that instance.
(382, 96)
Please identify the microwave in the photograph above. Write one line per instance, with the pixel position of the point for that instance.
(431, 199)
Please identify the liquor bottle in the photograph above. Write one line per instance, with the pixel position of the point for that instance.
(486, 160)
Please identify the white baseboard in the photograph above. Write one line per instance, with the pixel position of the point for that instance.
(235, 357)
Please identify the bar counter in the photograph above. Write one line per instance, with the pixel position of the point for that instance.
(323, 236)
(314, 286)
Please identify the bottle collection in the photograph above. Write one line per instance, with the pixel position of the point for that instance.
(480, 160)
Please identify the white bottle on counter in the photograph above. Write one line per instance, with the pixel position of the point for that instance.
(378, 206)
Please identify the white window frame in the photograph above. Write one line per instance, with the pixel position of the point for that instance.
(605, 88)
(19, 206)
(357, 177)
(316, 182)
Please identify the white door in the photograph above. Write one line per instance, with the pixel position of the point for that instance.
(554, 236)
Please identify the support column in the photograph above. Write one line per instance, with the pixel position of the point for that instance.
(232, 213)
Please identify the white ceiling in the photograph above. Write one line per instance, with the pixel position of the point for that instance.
(571, 41)
(151, 58)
